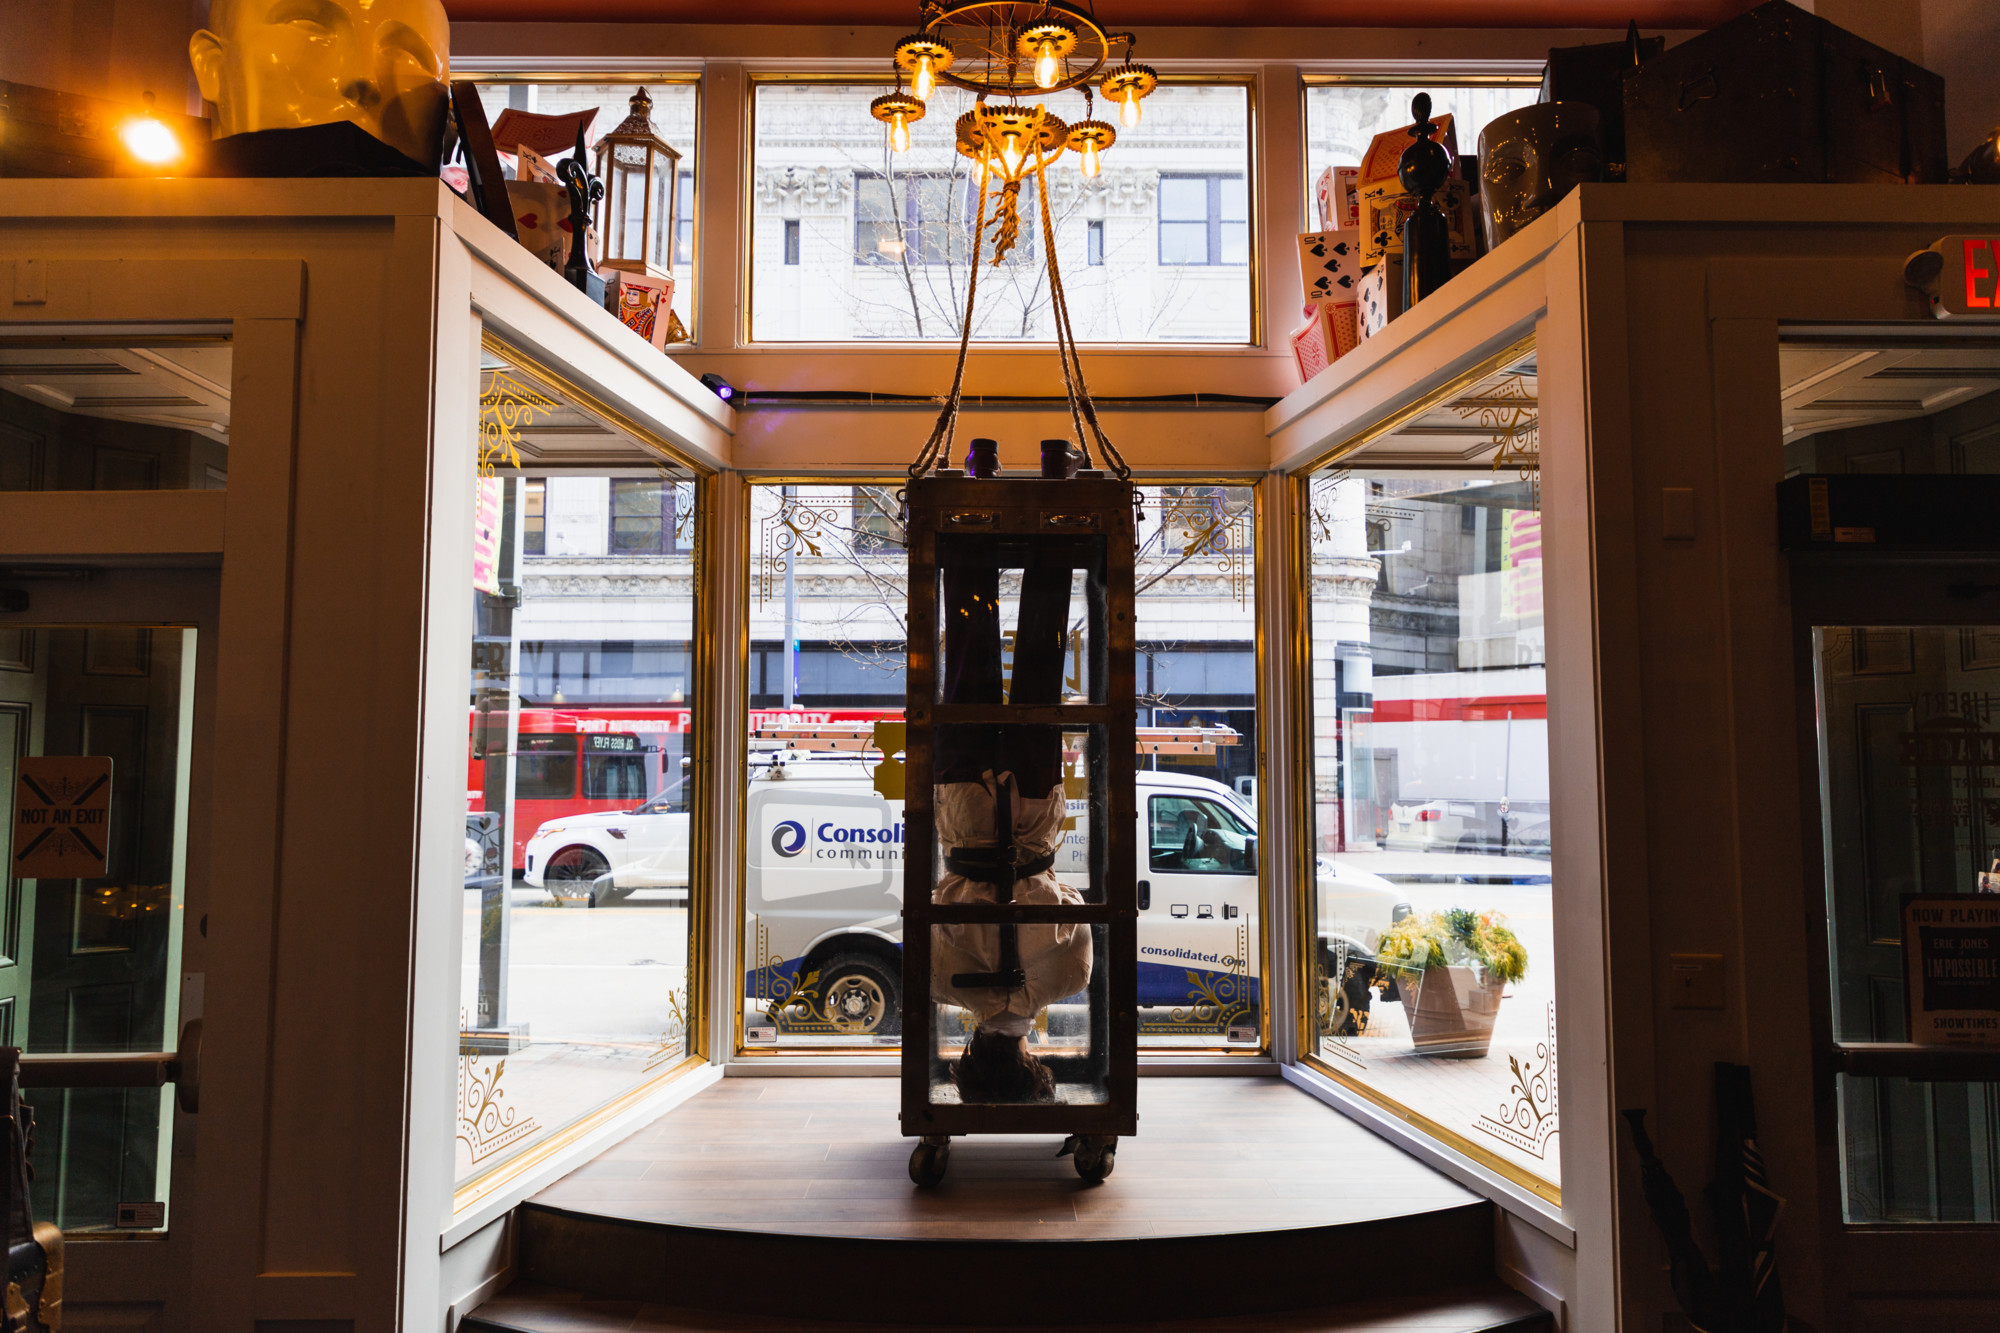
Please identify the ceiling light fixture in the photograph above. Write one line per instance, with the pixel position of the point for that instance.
(1009, 52)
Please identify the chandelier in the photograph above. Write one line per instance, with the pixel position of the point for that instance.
(1003, 51)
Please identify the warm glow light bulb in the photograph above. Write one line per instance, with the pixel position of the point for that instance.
(1128, 110)
(924, 80)
(1010, 155)
(899, 133)
(1091, 166)
(1047, 70)
(146, 139)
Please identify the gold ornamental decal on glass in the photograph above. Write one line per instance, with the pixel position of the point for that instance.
(508, 404)
(1510, 409)
(1527, 1120)
(1209, 528)
(486, 1124)
(796, 524)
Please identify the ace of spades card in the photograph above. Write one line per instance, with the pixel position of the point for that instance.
(1330, 265)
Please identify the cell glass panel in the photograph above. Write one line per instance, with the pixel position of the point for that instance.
(578, 851)
(1432, 982)
(823, 832)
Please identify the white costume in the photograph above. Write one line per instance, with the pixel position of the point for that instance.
(1055, 957)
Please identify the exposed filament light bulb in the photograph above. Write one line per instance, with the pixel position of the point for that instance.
(924, 81)
(1128, 109)
(1047, 68)
(1091, 166)
(1011, 155)
(899, 133)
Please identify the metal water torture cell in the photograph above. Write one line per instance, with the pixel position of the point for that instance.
(1021, 814)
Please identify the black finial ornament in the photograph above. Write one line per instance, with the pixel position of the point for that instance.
(584, 192)
(1424, 168)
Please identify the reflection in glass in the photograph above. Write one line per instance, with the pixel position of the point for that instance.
(577, 876)
(1434, 977)
(1906, 807)
(824, 806)
(115, 413)
(93, 964)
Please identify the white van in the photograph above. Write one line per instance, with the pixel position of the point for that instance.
(823, 886)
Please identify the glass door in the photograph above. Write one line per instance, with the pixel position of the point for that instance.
(101, 748)
(1909, 769)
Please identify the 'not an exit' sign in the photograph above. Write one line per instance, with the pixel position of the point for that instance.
(62, 817)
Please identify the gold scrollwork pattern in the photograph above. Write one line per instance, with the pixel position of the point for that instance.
(486, 1124)
(798, 524)
(790, 1003)
(508, 404)
(1319, 503)
(673, 1037)
(1510, 410)
(1217, 1000)
(1527, 1119)
(1209, 528)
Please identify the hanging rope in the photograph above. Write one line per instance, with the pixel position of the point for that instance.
(1083, 412)
(940, 441)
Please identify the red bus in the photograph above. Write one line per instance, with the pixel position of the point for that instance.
(572, 761)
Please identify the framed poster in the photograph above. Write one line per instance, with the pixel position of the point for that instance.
(1951, 968)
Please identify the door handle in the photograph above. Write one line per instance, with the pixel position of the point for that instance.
(1145, 895)
(128, 1069)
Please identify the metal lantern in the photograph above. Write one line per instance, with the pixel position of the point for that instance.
(641, 176)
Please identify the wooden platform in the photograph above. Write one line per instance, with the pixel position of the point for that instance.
(767, 1200)
(823, 1157)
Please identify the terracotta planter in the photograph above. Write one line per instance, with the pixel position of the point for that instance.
(1453, 1011)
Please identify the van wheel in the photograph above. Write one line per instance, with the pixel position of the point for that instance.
(859, 995)
(573, 873)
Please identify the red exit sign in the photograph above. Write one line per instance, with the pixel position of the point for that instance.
(1968, 283)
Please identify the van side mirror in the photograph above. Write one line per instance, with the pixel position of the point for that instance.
(1145, 895)
(1250, 855)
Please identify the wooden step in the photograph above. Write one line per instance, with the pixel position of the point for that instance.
(529, 1307)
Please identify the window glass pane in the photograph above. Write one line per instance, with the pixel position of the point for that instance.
(1235, 199)
(674, 112)
(1433, 979)
(1341, 119)
(578, 777)
(821, 164)
(823, 811)
(1183, 242)
(149, 412)
(1235, 243)
(1184, 199)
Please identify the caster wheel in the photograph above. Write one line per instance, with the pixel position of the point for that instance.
(1095, 1157)
(928, 1161)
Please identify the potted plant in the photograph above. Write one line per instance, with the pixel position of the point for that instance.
(1451, 969)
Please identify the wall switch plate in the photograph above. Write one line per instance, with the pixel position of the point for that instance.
(1696, 980)
(1677, 513)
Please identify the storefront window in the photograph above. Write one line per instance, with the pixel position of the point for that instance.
(852, 242)
(1433, 968)
(676, 104)
(823, 876)
(579, 854)
(1342, 117)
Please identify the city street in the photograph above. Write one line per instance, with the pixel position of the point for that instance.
(605, 974)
